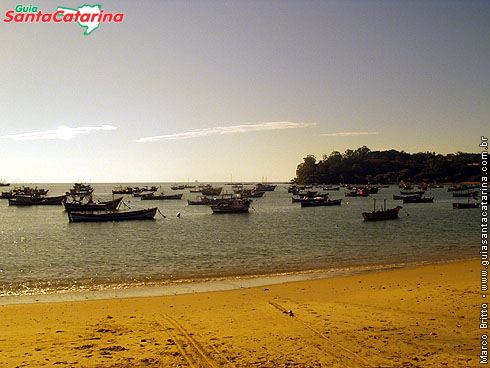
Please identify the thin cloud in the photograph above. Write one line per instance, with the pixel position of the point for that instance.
(348, 134)
(63, 132)
(245, 128)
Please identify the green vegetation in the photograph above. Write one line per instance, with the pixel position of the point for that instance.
(364, 166)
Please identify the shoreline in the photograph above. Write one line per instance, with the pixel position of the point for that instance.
(425, 316)
(206, 284)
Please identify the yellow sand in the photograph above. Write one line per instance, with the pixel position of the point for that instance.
(426, 316)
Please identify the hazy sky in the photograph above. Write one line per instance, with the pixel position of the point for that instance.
(186, 90)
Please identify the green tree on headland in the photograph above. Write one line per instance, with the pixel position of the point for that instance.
(362, 166)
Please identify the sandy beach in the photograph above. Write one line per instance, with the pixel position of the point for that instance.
(426, 316)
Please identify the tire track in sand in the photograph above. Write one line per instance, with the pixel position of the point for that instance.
(193, 352)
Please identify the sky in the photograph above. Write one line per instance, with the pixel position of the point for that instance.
(238, 90)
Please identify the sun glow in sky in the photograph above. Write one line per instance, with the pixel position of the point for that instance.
(208, 89)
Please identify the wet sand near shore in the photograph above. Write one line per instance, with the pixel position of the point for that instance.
(425, 316)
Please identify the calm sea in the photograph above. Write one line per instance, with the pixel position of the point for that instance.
(40, 251)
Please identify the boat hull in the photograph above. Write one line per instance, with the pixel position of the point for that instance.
(334, 202)
(146, 214)
(161, 197)
(465, 205)
(418, 200)
(391, 214)
(37, 201)
(237, 207)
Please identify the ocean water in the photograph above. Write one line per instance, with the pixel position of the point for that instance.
(41, 252)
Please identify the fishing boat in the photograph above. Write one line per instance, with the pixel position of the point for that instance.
(3, 183)
(465, 194)
(413, 192)
(211, 191)
(321, 202)
(457, 188)
(381, 215)
(139, 190)
(37, 201)
(418, 200)
(397, 197)
(146, 214)
(80, 189)
(25, 191)
(261, 187)
(232, 206)
(178, 187)
(202, 201)
(121, 190)
(92, 206)
(357, 193)
(162, 196)
(466, 205)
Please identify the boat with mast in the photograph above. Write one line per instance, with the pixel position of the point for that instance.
(380, 215)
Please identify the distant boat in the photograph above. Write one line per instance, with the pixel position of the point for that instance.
(146, 214)
(261, 187)
(139, 190)
(321, 202)
(413, 192)
(37, 201)
(466, 205)
(3, 183)
(178, 187)
(232, 206)
(457, 188)
(465, 194)
(211, 191)
(80, 189)
(203, 201)
(397, 197)
(25, 191)
(381, 215)
(92, 206)
(419, 200)
(121, 190)
(358, 193)
(152, 196)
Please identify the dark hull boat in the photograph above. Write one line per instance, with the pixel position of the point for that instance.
(146, 214)
(419, 200)
(397, 197)
(382, 215)
(390, 214)
(261, 187)
(465, 205)
(457, 188)
(121, 190)
(160, 197)
(203, 201)
(37, 201)
(414, 192)
(211, 191)
(90, 207)
(466, 194)
(318, 203)
(233, 206)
